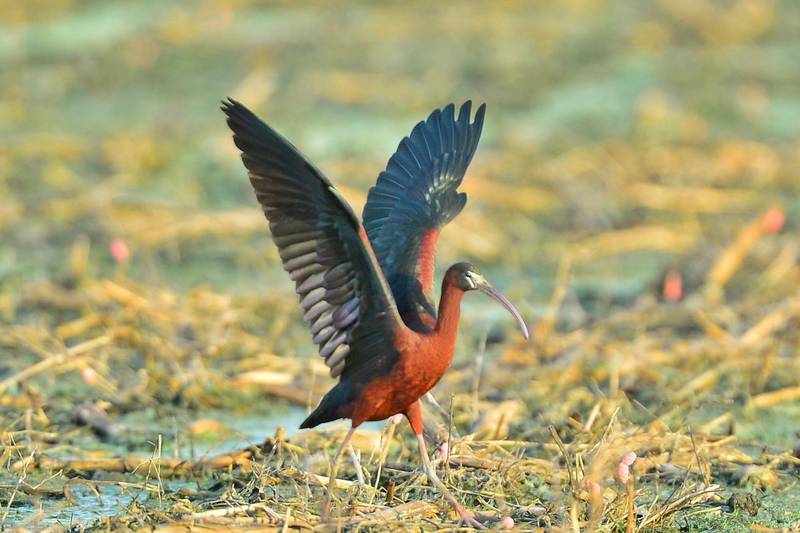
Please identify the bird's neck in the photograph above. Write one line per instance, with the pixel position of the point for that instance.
(449, 311)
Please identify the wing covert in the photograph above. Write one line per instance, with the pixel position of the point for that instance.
(346, 302)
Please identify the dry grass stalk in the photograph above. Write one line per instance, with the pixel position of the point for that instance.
(767, 399)
(730, 261)
(55, 360)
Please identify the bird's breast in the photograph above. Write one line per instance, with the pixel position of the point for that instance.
(422, 363)
(424, 358)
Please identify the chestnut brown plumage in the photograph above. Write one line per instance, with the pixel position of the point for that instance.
(365, 290)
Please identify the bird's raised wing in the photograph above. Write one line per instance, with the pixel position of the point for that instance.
(345, 299)
(414, 198)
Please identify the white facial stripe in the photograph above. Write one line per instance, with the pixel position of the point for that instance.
(475, 279)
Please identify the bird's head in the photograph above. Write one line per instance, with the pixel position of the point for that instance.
(467, 278)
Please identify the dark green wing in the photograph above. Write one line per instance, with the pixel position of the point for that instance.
(415, 197)
(345, 299)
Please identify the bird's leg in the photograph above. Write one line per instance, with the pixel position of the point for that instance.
(431, 398)
(414, 416)
(326, 505)
(430, 471)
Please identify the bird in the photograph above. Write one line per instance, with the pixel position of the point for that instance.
(365, 286)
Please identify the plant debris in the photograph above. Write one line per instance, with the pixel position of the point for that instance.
(153, 361)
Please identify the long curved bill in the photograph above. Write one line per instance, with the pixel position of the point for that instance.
(486, 288)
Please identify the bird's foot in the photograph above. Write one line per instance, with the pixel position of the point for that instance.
(467, 518)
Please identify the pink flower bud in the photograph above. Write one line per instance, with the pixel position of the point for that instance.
(624, 467)
(592, 486)
(623, 472)
(506, 523)
(444, 451)
(629, 458)
(773, 220)
(673, 286)
(88, 375)
(119, 250)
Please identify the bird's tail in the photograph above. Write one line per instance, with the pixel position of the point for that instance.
(333, 406)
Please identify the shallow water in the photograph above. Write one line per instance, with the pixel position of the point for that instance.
(86, 502)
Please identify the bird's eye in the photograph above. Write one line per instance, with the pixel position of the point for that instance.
(470, 277)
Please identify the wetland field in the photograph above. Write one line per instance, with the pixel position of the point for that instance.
(636, 193)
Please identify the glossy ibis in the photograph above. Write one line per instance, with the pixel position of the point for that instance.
(365, 289)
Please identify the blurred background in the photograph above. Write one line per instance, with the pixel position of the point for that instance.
(635, 192)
